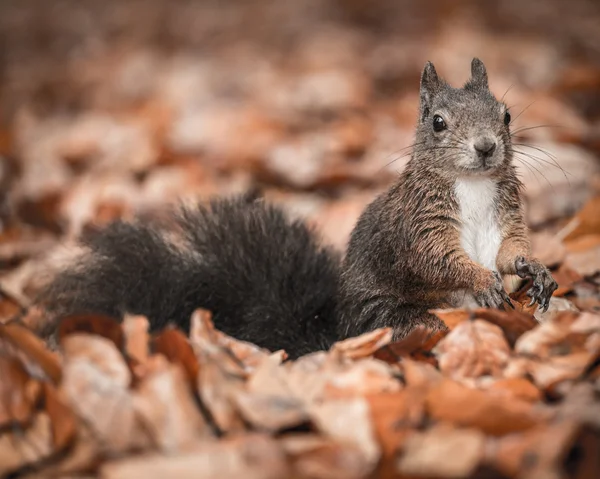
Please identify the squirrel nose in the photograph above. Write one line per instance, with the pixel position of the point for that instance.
(484, 146)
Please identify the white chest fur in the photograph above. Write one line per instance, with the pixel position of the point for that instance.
(480, 233)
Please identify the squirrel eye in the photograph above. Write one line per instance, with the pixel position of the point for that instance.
(438, 123)
(507, 118)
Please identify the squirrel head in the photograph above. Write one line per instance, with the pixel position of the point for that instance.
(462, 131)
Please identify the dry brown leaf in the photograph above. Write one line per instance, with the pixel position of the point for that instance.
(513, 322)
(417, 344)
(395, 416)
(22, 447)
(442, 452)
(367, 376)
(18, 341)
(491, 413)
(518, 387)
(216, 389)
(267, 413)
(61, 416)
(586, 262)
(19, 393)
(247, 353)
(95, 385)
(544, 450)
(166, 408)
(566, 279)
(104, 326)
(420, 374)
(473, 349)
(316, 457)
(552, 337)
(364, 345)
(174, 346)
(248, 457)
(585, 222)
(348, 421)
(136, 337)
(452, 317)
(548, 249)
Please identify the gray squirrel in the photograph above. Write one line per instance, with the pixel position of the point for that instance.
(443, 235)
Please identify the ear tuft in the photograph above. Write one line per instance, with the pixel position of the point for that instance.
(430, 84)
(479, 76)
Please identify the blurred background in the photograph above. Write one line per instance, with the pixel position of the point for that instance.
(117, 108)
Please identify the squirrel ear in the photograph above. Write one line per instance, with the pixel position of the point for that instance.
(478, 74)
(430, 84)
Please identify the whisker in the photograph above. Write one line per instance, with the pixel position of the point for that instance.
(527, 128)
(522, 111)
(553, 161)
(524, 161)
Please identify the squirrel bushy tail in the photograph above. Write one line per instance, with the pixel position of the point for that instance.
(264, 276)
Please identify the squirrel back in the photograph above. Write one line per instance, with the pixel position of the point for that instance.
(265, 277)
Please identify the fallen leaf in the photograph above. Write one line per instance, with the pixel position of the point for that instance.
(483, 410)
(104, 326)
(452, 317)
(473, 349)
(364, 345)
(442, 452)
(173, 344)
(18, 341)
(164, 404)
(321, 458)
(95, 385)
(251, 457)
(348, 421)
(19, 394)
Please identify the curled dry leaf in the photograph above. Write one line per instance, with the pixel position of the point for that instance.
(395, 416)
(518, 387)
(316, 457)
(442, 452)
(22, 447)
(513, 322)
(270, 413)
(483, 410)
(548, 249)
(364, 345)
(417, 344)
(585, 222)
(19, 393)
(554, 337)
(165, 406)
(174, 346)
(216, 389)
(348, 421)
(95, 385)
(250, 456)
(544, 451)
(473, 349)
(19, 342)
(366, 376)
(96, 324)
(203, 330)
(452, 317)
(136, 338)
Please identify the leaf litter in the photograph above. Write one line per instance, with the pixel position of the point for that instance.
(117, 132)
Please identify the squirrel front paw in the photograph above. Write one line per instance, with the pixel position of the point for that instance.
(493, 294)
(543, 284)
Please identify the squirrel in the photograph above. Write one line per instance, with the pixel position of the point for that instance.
(442, 236)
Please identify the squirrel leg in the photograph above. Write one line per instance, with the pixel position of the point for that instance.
(386, 311)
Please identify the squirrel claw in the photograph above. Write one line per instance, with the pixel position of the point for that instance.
(543, 284)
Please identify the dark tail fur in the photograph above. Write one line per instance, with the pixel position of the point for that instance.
(265, 277)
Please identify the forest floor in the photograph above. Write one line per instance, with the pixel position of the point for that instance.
(106, 116)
